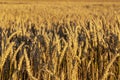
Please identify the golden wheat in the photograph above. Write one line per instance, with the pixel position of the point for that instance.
(59, 41)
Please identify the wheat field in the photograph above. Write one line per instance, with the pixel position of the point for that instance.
(59, 41)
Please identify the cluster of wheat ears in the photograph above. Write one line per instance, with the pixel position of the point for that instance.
(59, 42)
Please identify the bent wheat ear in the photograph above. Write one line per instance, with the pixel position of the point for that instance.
(63, 53)
(8, 40)
(14, 56)
(29, 70)
(20, 62)
(108, 67)
(5, 55)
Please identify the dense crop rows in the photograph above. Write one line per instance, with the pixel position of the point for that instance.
(59, 42)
